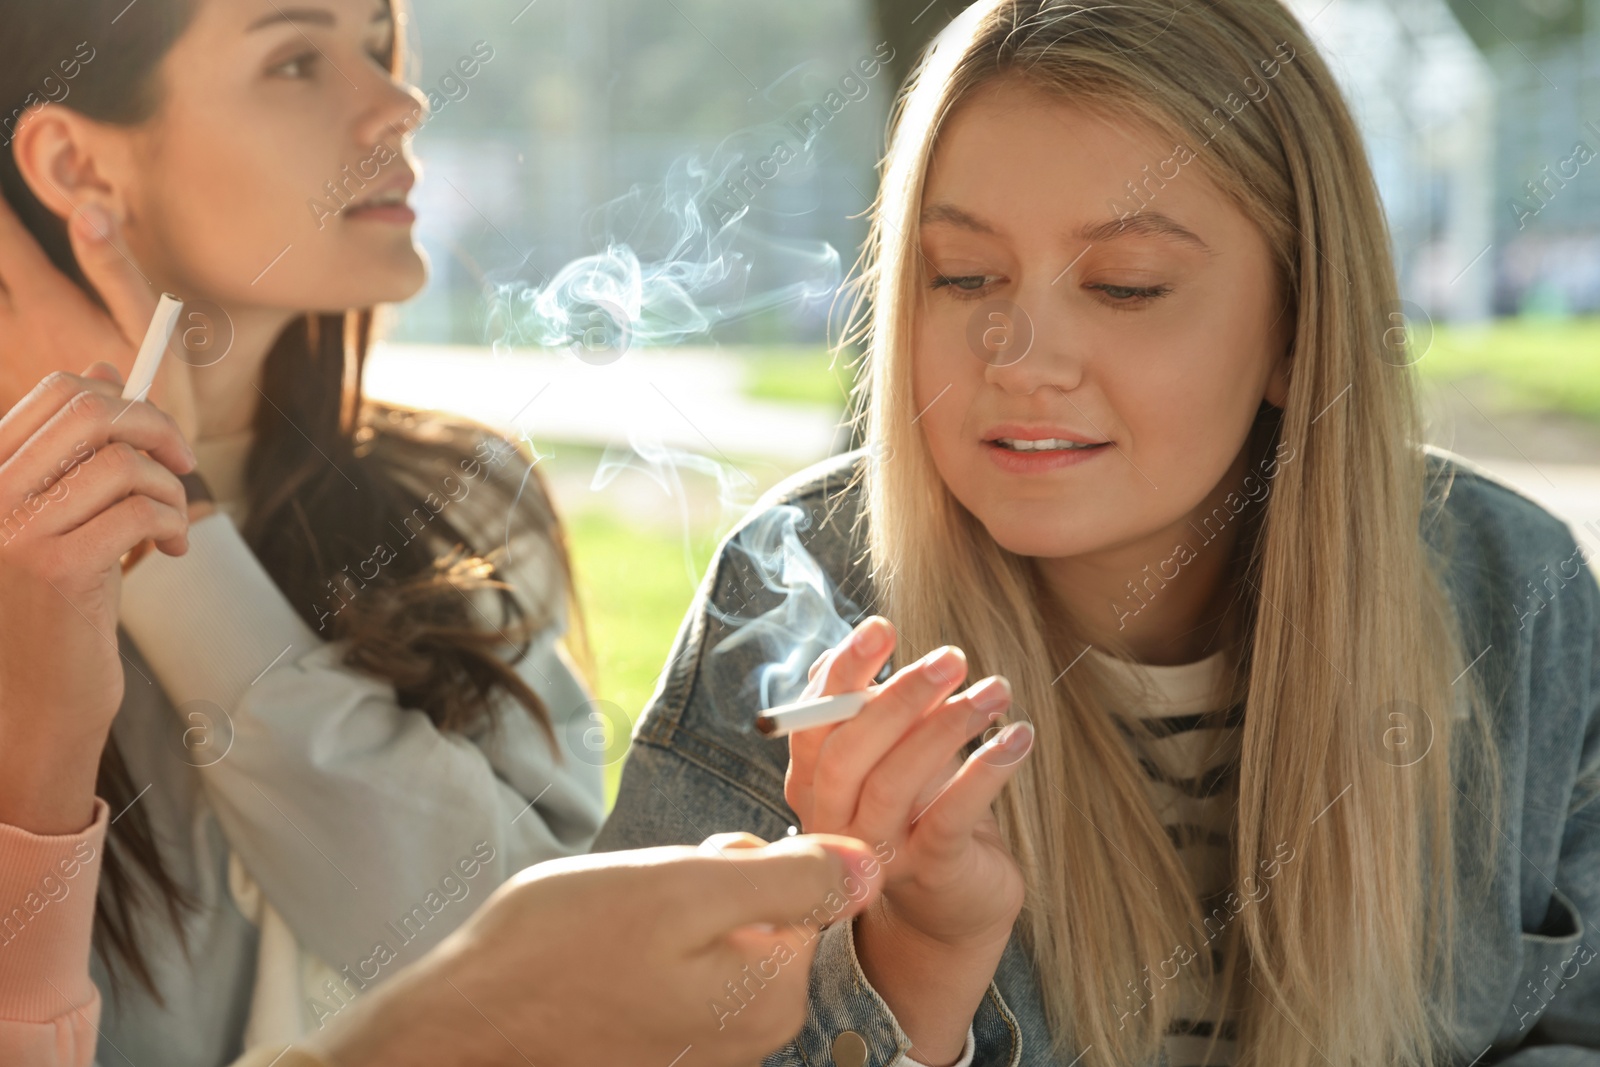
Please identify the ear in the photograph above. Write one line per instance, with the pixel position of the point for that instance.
(1277, 393)
(67, 160)
(1281, 340)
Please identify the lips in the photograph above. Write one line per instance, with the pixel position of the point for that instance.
(1039, 449)
(1030, 438)
(390, 195)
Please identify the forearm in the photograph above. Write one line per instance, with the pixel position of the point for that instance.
(933, 990)
(422, 1017)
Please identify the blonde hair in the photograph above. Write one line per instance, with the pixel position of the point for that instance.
(1347, 958)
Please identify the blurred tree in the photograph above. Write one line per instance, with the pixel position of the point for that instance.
(908, 26)
(1492, 24)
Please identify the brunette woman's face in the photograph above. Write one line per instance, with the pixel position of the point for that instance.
(263, 105)
(1043, 320)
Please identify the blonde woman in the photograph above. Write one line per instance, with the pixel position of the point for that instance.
(1305, 755)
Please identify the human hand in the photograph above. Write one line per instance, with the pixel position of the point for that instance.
(894, 773)
(84, 477)
(48, 323)
(618, 957)
(930, 945)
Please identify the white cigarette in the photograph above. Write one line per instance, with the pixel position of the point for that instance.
(156, 338)
(785, 719)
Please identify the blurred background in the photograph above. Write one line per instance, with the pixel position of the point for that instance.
(631, 275)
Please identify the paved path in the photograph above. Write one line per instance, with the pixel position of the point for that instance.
(680, 399)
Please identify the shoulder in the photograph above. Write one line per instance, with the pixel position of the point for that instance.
(1496, 518)
(1528, 601)
(816, 517)
(1504, 553)
(786, 583)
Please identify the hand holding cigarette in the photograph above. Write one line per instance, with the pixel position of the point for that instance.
(898, 777)
(808, 714)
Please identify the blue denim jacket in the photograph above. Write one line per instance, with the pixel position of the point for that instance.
(1528, 993)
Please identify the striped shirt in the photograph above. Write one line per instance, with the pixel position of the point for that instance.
(1189, 750)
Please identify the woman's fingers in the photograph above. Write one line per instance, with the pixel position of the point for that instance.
(102, 371)
(856, 746)
(891, 793)
(118, 470)
(856, 661)
(88, 414)
(850, 665)
(944, 828)
(106, 538)
(44, 402)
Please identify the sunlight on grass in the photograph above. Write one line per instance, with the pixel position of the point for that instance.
(799, 375)
(1541, 366)
(635, 587)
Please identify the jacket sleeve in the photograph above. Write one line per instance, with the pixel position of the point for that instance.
(351, 810)
(696, 769)
(1558, 996)
(49, 1007)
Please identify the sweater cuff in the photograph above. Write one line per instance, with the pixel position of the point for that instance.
(47, 895)
(278, 1056)
(211, 621)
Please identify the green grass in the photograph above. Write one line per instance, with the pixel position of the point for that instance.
(798, 375)
(1539, 365)
(635, 588)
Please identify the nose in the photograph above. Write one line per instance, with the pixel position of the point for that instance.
(395, 110)
(1039, 345)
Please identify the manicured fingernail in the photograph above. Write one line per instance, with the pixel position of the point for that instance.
(1010, 744)
(942, 665)
(990, 695)
(97, 222)
(869, 638)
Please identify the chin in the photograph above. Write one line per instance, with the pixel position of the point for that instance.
(393, 281)
(1025, 529)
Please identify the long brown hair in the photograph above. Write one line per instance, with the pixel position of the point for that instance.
(316, 436)
(1345, 618)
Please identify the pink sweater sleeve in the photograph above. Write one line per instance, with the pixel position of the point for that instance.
(49, 1008)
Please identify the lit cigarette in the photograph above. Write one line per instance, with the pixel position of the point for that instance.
(156, 338)
(785, 719)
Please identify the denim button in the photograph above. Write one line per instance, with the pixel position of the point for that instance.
(849, 1050)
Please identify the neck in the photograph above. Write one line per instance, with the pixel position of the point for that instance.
(1177, 610)
(227, 392)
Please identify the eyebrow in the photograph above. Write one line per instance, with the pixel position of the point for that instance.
(1141, 223)
(316, 16)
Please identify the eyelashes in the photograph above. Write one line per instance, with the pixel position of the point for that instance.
(955, 282)
(1117, 297)
(1142, 295)
(303, 66)
(296, 67)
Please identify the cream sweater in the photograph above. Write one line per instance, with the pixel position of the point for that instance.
(288, 790)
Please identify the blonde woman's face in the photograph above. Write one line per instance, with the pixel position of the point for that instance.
(1055, 313)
